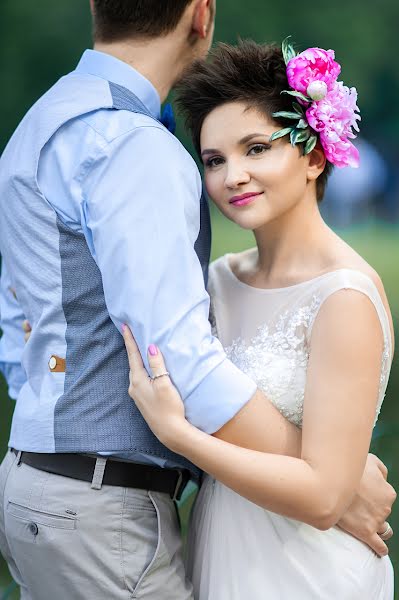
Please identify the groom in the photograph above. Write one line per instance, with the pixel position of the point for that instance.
(100, 225)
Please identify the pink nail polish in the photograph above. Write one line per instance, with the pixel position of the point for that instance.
(123, 327)
(153, 350)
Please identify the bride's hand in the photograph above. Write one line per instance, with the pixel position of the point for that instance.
(156, 397)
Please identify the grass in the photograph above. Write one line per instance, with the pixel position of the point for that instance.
(379, 245)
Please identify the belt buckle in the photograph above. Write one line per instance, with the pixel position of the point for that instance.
(179, 486)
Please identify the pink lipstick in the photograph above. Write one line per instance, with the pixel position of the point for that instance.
(244, 199)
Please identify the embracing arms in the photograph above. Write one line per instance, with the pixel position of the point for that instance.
(141, 232)
(340, 405)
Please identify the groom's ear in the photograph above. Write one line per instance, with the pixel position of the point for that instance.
(203, 16)
(92, 7)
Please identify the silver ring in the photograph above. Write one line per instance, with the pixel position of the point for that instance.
(386, 533)
(166, 374)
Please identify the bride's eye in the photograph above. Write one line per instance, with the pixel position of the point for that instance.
(258, 149)
(214, 161)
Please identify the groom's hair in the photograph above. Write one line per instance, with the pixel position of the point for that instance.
(254, 74)
(121, 19)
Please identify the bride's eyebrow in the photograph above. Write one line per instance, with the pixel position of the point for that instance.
(249, 137)
(241, 142)
(209, 151)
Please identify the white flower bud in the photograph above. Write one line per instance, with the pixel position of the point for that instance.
(317, 90)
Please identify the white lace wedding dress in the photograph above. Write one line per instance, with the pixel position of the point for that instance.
(237, 550)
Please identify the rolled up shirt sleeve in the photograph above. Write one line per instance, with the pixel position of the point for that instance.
(12, 341)
(140, 207)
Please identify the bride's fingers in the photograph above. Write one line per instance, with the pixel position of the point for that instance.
(135, 361)
(381, 467)
(378, 545)
(156, 362)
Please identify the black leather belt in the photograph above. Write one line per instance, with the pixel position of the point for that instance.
(118, 473)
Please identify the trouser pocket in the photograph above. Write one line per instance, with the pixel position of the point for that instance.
(27, 514)
(164, 576)
(34, 538)
(139, 537)
(5, 469)
(27, 526)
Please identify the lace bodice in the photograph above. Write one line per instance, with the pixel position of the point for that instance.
(267, 333)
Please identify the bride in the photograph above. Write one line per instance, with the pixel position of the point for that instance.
(302, 314)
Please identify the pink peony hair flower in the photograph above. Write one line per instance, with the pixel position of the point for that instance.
(314, 64)
(339, 151)
(325, 109)
(334, 118)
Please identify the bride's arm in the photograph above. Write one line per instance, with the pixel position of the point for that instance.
(260, 426)
(340, 403)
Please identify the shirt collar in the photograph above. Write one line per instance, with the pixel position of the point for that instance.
(112, 69)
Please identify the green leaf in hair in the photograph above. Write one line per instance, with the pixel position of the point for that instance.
(281, 133)
(288, 50)
(310, 144)
(297, 95)
(286, 114)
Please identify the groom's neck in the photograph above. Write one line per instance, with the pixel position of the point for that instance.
(160, 60)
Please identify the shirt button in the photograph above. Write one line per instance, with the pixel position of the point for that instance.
(52, 363)
(33, 528)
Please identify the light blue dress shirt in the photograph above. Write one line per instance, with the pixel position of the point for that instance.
(12, 342)
(133, 190)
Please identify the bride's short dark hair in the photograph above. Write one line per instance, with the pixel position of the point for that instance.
(249, 72)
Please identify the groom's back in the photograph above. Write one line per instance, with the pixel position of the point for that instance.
(77, 401)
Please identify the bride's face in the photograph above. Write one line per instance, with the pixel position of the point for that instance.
(251, 180)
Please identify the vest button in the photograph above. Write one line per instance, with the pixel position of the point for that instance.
(52, 363)
(33, 528)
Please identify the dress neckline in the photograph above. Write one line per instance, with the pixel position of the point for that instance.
(228, 269)
(225, 261)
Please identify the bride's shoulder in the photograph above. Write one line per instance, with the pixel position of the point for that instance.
(350, 260)
(339, 256)
(242, 264)
(352, 267)
(236, 263)
(217, 273)
(215, 268)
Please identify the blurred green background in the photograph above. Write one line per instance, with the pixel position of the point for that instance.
(42, 40)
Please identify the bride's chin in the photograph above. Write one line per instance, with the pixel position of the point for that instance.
(251, 222)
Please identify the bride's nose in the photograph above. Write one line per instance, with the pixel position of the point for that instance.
(236, 175)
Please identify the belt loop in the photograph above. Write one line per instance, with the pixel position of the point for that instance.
(18, 462)
(98, 474)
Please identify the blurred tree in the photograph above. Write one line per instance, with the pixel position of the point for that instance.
(42, 40)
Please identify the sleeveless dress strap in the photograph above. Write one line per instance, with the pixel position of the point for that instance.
(358, 281)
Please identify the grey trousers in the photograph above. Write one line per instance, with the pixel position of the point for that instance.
(64, 540)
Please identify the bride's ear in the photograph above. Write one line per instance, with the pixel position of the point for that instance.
(316, 162)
